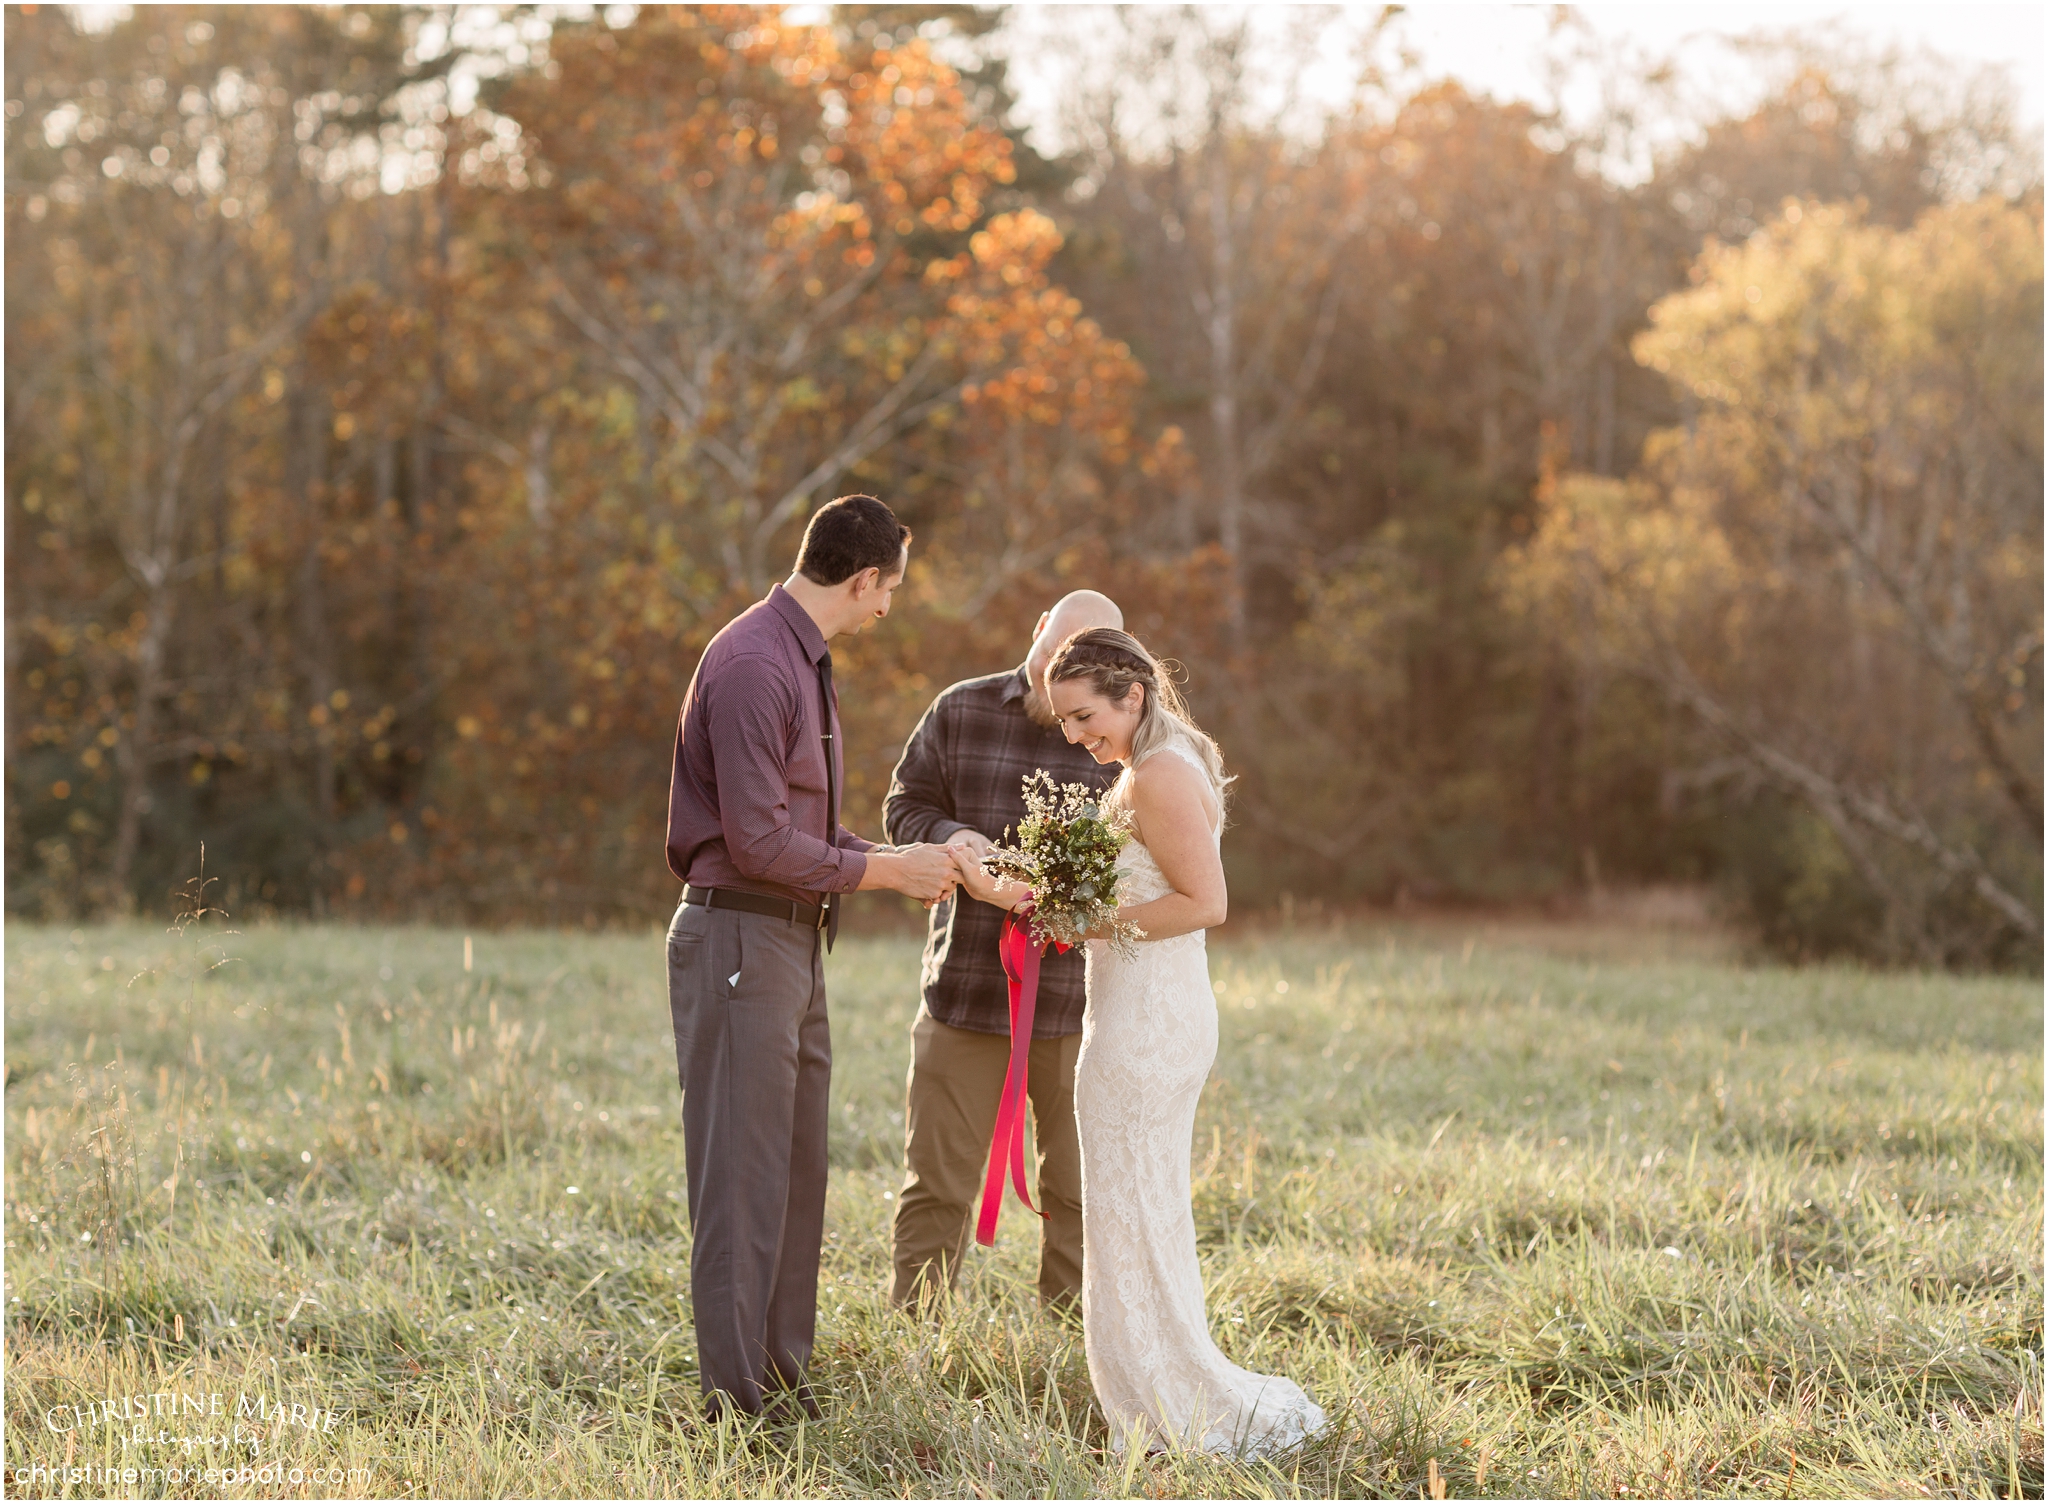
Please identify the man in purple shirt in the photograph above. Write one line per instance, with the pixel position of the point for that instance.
(754, 835)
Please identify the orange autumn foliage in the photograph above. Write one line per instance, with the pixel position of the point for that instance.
(727, 272)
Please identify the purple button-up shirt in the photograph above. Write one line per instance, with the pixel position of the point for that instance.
(747, 801)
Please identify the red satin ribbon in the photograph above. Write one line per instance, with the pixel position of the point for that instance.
(1020, 965)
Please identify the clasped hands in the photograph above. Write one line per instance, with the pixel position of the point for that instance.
(962, 853)
(929, 871)
(967, 848)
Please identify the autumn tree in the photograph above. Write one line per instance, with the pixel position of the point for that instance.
(1836, 567)
(1899, 135)
(1480, 331)
(376, 471)
(760, 235)
(167, 173)
(1210, 176)
(714, 269)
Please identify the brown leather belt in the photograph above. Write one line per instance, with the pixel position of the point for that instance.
(803, 915)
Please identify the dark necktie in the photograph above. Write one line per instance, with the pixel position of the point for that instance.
(831, 790)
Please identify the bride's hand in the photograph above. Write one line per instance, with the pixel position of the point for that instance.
(1002, 892)
(1104, 931)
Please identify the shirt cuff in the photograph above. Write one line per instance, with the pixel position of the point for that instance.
(945, 830)
(853, 866)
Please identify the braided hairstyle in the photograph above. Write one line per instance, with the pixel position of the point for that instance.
(1111, 661)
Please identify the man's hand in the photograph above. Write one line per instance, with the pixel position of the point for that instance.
(928, 873)
(925, 872)
(971, 838)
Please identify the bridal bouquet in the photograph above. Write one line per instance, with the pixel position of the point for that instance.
(1066, 852)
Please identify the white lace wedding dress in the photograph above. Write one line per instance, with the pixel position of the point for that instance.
(1147, 1041)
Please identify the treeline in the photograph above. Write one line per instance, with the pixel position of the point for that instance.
(375, 474)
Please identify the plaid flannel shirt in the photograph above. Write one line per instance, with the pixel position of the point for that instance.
(964, 769)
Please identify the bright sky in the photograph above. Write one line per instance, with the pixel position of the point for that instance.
(1492, 48)
(1490, 45)
(1495, 49)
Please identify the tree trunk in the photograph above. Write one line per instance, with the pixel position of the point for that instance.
(310, 444)
(1223, 393)
(132, 751)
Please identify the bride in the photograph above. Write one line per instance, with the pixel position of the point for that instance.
(1147, 1042)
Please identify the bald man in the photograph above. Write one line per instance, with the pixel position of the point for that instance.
(961, 780)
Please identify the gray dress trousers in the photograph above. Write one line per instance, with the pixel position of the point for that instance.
(754, 1056)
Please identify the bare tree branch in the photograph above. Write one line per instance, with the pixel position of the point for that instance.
(1834, 798)
(1957, 670)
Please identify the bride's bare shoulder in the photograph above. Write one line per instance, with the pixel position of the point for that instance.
(1168, 787)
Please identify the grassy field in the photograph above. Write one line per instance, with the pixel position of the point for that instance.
(1529, 1217)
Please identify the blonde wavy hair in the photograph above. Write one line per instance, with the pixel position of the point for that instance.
(1111, 661)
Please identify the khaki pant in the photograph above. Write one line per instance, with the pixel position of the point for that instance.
(956, 1085)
